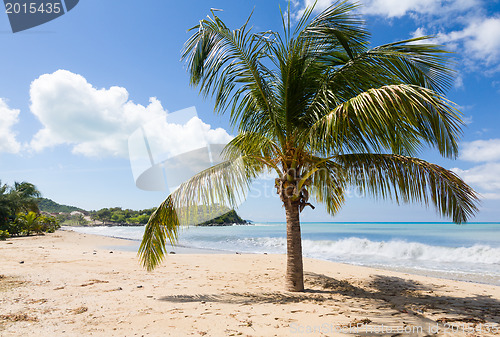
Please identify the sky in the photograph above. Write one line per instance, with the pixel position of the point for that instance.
(74, 90)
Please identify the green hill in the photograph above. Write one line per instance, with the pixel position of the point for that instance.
(119, 216)
(50, 206)
(225, 220)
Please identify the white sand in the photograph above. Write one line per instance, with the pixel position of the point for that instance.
(64, 289)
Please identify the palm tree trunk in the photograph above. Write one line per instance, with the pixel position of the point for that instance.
(294, 268)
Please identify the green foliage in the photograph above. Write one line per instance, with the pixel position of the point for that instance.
(29, 222)
(62, 217)
(50, 206)
(78, 219)
(19, 211)
(117, 215)
(325, 111)
(4, 234)
(48, 223)
(229, 218)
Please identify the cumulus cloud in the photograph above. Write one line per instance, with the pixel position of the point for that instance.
(399, 8)
(480, 39)
(477, 38)
(486, 176)
(481, 151)
(96, 122)
(171, 139)
(8, 118)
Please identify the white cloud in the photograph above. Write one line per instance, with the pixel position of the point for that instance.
(96, 122)
(399, 8)
(477, 39)
(8, 118)
(419, 32)
(481, 151)
(486, 176)
(491, 196)
(320, 5)
(480, 39)
(168, 139)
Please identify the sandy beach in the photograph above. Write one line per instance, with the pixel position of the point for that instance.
(71, 284)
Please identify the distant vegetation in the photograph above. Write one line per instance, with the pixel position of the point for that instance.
(49, 206)
(119, 216)
(225, 220)
(124, 217)
(24, 212)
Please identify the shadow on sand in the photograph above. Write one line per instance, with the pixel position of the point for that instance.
(400, 296)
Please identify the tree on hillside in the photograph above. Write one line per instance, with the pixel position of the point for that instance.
(324, 112)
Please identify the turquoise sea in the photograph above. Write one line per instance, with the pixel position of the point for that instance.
(468, 252)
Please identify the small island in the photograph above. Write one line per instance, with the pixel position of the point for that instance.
(228, 219)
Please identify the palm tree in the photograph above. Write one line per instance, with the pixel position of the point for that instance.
(325, 112)
(29, 222)
(21, 198)
(24, 197)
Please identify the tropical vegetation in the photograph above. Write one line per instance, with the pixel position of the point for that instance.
(19, 211)
(325, 111)
(226, 219)
(50, 206)
(117, 215)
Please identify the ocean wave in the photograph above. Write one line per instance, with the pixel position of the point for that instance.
(363, 249)
(350, 250)
(403, 250)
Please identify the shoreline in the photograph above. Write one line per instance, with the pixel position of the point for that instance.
(71, 284)
(179, 249)
(442, 274)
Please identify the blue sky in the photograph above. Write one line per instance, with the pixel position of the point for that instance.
(74, 89)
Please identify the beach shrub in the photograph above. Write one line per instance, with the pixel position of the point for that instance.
(4, 235)
(48, 223)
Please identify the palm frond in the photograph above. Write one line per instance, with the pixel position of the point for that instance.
(395, 118)
(404, 62)
(337, 29)
(328, 185)
(407, 179)
(409, 62)
(227, 64)
(224, 185)
(162, 225)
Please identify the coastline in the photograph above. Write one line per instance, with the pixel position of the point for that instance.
(133, 245)
(73, 284)
(482, 277)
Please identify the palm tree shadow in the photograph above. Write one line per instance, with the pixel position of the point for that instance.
(421, 298)
(403, 295)
(239, 298)
(410, 296)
